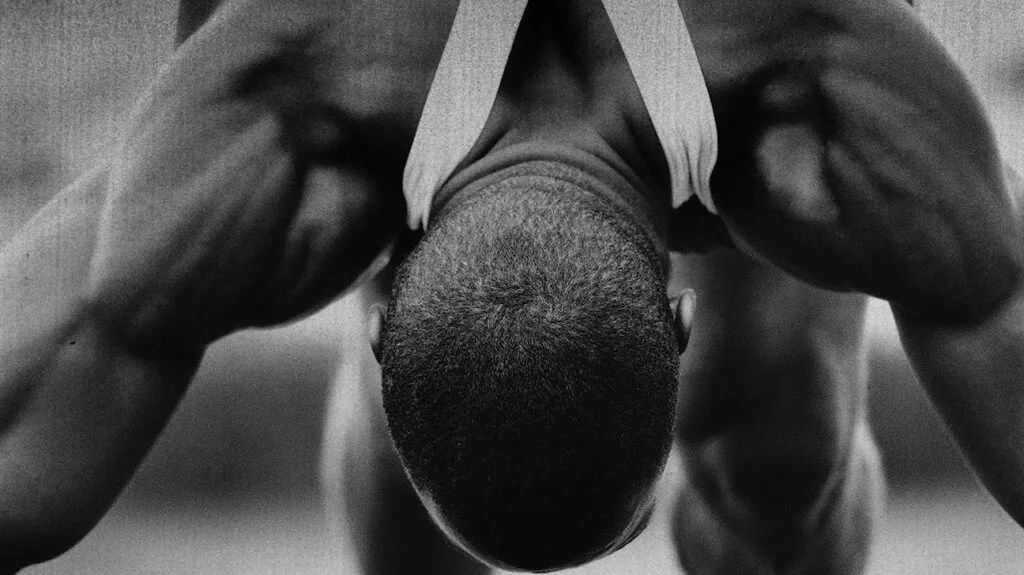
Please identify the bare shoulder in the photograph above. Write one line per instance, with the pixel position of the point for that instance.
(737, 40)
(367, 58)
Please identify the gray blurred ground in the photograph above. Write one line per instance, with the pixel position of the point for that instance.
(231, 487)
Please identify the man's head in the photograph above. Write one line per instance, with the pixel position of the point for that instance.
(530, 373)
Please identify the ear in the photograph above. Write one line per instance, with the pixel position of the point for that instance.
(375, 327)
(683, 306)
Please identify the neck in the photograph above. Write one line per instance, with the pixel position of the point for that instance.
(598, 173)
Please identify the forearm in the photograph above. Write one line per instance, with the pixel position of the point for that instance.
(91, 413)
(77, 409)
(975, 377)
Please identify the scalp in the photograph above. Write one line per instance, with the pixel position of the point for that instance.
(530, 373)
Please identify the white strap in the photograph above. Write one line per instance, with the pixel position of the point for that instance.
(658, 50)
(657, 45)
(460, 98)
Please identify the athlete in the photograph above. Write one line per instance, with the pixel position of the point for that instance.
(262, 176)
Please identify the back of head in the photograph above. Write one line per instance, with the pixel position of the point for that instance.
(530, 374)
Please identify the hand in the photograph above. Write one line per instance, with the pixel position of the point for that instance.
(242, 195)
(866, 163)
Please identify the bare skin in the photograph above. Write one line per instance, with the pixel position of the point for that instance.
(259, 179)
(773, 427)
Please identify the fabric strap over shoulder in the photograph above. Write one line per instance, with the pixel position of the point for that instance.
(660, 54)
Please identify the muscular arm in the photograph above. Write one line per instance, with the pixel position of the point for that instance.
(243, 195)
(77, 410)
(974, 374)
(860, 159)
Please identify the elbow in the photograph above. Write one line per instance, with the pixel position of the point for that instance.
(27, 541)
(35, 526)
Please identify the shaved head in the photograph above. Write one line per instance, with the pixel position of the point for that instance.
(530, 371)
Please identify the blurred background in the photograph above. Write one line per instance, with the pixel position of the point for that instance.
(232, 485)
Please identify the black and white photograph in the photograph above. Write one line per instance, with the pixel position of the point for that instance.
(482, 287)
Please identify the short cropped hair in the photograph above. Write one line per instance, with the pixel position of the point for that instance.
(530, 372)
